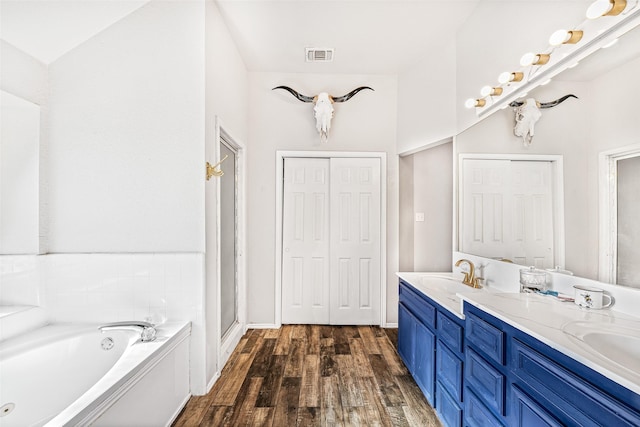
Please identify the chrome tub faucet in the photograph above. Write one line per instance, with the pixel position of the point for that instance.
(146, 329)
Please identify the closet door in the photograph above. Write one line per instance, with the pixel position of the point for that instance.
(331, 241)
(355, 241)
(305, 241)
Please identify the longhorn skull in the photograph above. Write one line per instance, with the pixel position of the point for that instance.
(323, 107)
(528, 113)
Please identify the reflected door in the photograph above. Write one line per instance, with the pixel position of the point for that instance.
(628, 226)
(508, 211)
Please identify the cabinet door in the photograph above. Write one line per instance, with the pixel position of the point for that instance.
(406, 336)
(527, 413)
(424, 361)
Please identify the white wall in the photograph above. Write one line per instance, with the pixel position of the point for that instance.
(22, 75)
(26, 78)
(426, 99)
(367, 122)
(127, 136)
(227, 99)
(433, 196)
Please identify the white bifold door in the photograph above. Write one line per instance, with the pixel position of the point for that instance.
(331, 266)
(507, 211)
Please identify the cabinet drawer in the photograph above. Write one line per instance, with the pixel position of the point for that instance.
(476, 414)
(486, 381)
(420, 308)
(449, 370)
(450, 332)
(447, 407)
(573, 400)
(486, 338)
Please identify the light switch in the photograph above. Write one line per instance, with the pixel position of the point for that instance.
(419, 216)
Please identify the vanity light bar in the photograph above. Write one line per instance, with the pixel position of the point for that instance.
(597, 9)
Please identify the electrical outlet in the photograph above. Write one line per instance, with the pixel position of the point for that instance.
(419, 216)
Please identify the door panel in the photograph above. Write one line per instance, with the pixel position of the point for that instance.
(355, 241)
(305, 241)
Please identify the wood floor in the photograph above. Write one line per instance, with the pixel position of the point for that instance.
(301, 375)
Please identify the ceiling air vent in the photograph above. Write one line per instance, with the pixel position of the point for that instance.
(314, 54)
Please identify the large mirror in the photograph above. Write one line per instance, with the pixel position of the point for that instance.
(585, 217)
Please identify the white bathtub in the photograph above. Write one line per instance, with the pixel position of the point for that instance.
(64, 375)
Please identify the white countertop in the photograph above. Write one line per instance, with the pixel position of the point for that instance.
(544, 318)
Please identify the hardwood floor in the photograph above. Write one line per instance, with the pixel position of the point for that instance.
(311, 375)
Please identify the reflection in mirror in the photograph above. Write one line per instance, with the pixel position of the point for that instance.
(19, 152)
(512, 208)
(579, 130)
(619, 211)
(628, 231)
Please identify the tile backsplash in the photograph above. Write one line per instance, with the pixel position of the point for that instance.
(106, 287)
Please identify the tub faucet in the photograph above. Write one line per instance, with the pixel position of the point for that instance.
(469, 278)
(146, 329)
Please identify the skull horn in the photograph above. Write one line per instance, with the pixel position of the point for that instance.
(556, 102)
(544, 104)
(301, 97)
(350, 94)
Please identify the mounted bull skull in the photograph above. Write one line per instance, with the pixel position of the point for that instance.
(528, 113)
(323, 107)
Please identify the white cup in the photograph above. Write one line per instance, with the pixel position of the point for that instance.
(586, 296)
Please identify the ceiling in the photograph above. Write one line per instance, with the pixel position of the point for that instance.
(369, 36)
(47, 29)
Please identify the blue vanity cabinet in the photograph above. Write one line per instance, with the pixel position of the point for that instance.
(513, 379)
(449, 368)
(416, 338)
(485, 371)
(431, 344)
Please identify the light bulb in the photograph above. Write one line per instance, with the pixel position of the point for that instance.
(558, 37)
(507, 77)
(530, 58)
(606, 8)
(527, 59)
(565, 37)
(470, 103)
(598, 8)
(486, 90)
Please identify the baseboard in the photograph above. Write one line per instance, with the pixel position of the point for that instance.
(262, 326)
(391, 325)
(179, 411)
(211, 383)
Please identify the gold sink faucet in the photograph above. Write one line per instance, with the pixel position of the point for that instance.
(469, 278)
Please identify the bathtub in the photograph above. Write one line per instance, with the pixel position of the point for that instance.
(68, 375)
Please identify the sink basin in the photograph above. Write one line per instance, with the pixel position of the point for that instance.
(617, 343)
